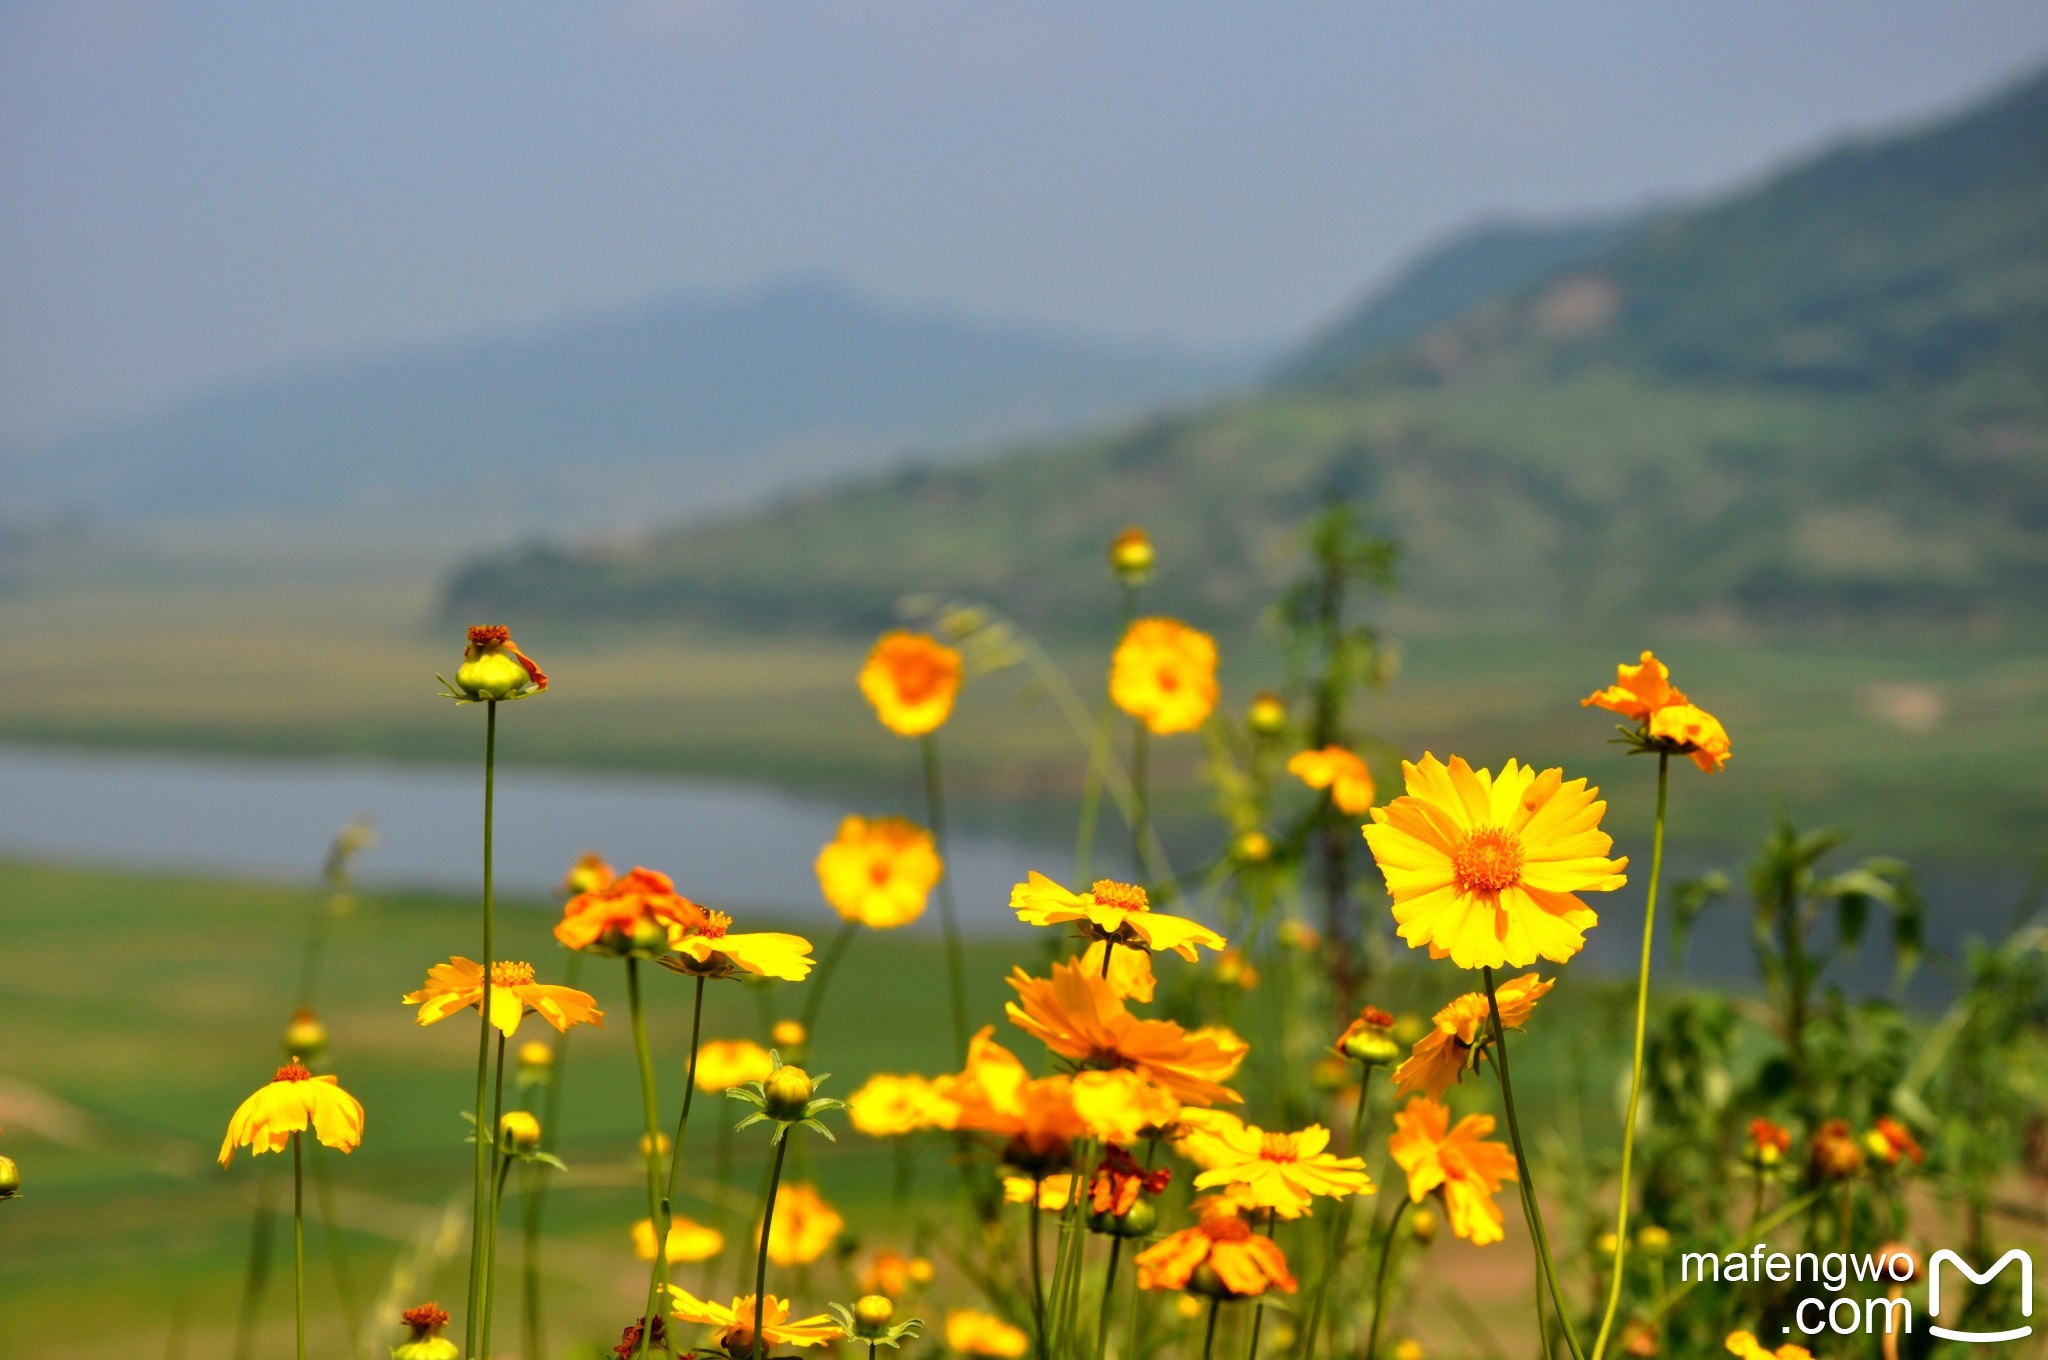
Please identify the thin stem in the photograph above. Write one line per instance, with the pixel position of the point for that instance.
(1141, 794)
(257, 1276)
(1108, 948)
(1209, 1335)
(299, 1241)
(1379, 1282)
(499, 1163)
(1116, 1246)
(666, 1216)
(814, 1000)
(767, 1227)
(1098, 751)
(1340, 1225)
(956, 966)
(486, 1135)
(650, 1120)
(1635, 1081)
(1037, 1263)
(1251, 1350)
(1531, 1208)
(534, 1344)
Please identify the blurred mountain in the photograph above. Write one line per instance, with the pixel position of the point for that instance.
(1821, 400)
(699, 402)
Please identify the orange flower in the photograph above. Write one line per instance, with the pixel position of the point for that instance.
(891, 1274)
(1284, 1172)
(493, 667)
(1342, 773)
(725, 1063)
(1484, 870)
(804, 1226)
(879, 872)
(1454, 1163)
(1745, 1346)
(1768, 1142)
(1119, 1180)
(1082, 1018)
(1835, 1154)
(888, 1105)
(972, 1333)
(1115, 913)
(993, 1094)
(589, 873)
(1220, 1256)
(1638, 691)
(1459, 1031)
(293, 1102)
(634, 912)
(912, 680)
(1122, 1105)
(1164, 674)
(459, 983)
(735, 1325)
(1665, 719)
(1893, 1140)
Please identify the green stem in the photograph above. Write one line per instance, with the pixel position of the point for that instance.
(650, 1120)
(299, 1241)
(1379, 1281)
(662, 1220)
(1635, 1081)
(1340, 1225)
(1251, 1350)
(534, 1344)
(956, 966)
(814, 1001)
(257, 1277)
(486, 1135)
(1037, 1264)
(499, 1162)
(767, 1227)
(1141, 794)
(1531, 1208)
(1116, 1246)
(1098, 752)
(1209, 1335)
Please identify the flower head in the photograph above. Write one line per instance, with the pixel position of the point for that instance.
(888, 1105)
(871, 1320)
(1745, 1346)
(1892, 1141)
(1220, 1256)
(1341, 772)
(293, 1102)
(912, 680)
(494, 668)
(424, 1340)
(305, 1037)
(994, 1094)
(879, 872)
(805, 1225)
(1768, 1143)
(1131, 556)
(1118, 1182)
(1082, 1018)
(590, 873)
(734, 1325)
(892, 1274)
(1284, 1172)
(631, 914)
(788, 1098)
(1484, 870)
(1369, 1039)
(1665, 720)
(707, 947)
(1116, 913)
(725, 1063)
(972, 1333)
(1123, 1105)
(1266, 715)
(630, 1345)
(687, 1240)
(459, 984)
(1460, 1032)
(1455, 1163)
(1163, 674)
(1051, 1193)
(1835, 1154)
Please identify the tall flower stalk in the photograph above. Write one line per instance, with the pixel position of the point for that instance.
(1131, 559)
(665, 1212)
(949, 916)
(788, 1099)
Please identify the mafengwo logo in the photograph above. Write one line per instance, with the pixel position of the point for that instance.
(1947, 1257)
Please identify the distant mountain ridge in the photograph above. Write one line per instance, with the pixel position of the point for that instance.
(1818, 401)
(690, 404)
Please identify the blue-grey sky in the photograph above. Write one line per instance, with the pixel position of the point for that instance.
(197, 193)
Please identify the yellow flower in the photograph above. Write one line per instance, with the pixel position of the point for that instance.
(725, 1063)
(1284, 1172)
(1053, 1191)
(1454, 1163)
(1439, 1059)
(1667, 720)
(993, 1094)
(1207, 1137)
(1484, 870)
(1233, 969)
(879, 872)
(425, 1341)
(706, 948)
(1131, 556)
(912, 680)
(1745, 1346)
(459, 984)
(1082, 1018)
(1164, 674)
(891, 1274)
(1114, 912)
(493, 667)
(972, 1333)
(1691, 731)
(804, 1226)
(590, 873)
(1123, 1106)
(1130, 970)
(687, 1240)
(735, 1325)
(1220, 1256)
(887, 1105)
(1341, 772)
(294, 1101)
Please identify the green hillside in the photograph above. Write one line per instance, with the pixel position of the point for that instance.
(1824, 399)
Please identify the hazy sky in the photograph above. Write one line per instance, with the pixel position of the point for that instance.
(192, 194)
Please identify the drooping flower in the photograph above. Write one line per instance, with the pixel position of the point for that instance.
(1455, 1163)
(459, 984)
(1461, 1030)
(887, 1105)
(687, 1240)
(1285, 1172)
(1665, 719)
(725, 1063)
(879, 872)
(708, 948)
(805, 1225)
(972, 1333)
(912, 680)
(1220, 1257)
(1082, 1018)
(1122, 1105)
(493, 667)
(734, 1326)
(633, 913)
(294, 1102)
(424, 1340)
(1117, 913)
(1484, 870)
(1163, 674)
(1341, 772)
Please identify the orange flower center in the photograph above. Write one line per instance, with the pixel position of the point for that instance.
(916, 676)
(1487, 861)
(489, 635)
(292, 1071)
(511, 975)
(1278, 1147)
(878, 873)
(714, 926)
(425, 1319)
(1122, 896)
(1226, 1229)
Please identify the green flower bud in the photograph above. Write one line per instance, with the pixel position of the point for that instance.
(788, 1090)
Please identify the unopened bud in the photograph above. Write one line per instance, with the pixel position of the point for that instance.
(1369, 1040)
(873, 1310)
(518, 1130)
(789, 1091)
(305, 1037)
(1254, 847)
(1654, 1241)
(1422, 1225)
(1267, 714)
(648, 937)
(1131, 556)
(1137, 1221)
(536, 1056)
(10, 1178)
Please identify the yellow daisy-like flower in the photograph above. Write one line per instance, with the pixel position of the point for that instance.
(1130, 970)
(1341, 772)
(1285, 1172)
(687, 1240)
(892, 1274)
(1484, 870)
(879, 872)
(1053, 1191)
(1116, 913)
(912, 680)
(708, 948)
(972, 1333)
(1745, 1346)
(1455, 1163)
(1239, 1263)
(1692, 731)
(804, 1226)
(725, 1063)
(1207, 1138)
(994, 1094)
(459, 984)
(1164, 674)
(887, 1105)
(734, 1325)
(1664, 717)
(1441, 1056)
(293, 1102)
(1082, 1018)
(1123, 1106)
